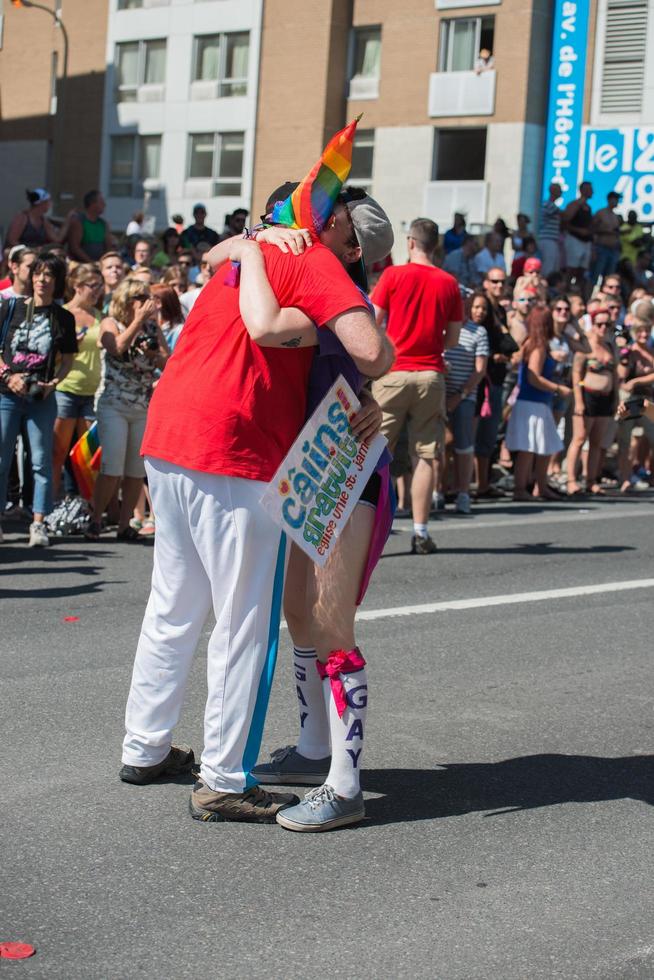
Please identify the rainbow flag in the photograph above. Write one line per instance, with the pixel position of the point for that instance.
(312, 201)
(85, 457)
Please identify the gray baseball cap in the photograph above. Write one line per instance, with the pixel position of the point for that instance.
(372, 225)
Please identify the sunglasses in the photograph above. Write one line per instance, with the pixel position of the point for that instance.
(562, 309)
(497, 282)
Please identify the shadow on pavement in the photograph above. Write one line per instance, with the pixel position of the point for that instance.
(524, 783)
(538, 548)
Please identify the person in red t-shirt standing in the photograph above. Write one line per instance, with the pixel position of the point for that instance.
(222, 418)
(422, 308)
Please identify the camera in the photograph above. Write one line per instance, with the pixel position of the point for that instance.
(146, 342)
(34, 390)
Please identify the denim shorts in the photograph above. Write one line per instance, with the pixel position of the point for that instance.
(71, 406)
(462, 423)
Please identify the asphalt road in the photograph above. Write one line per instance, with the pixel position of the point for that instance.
(509, 782)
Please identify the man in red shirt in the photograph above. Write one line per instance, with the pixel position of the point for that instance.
(422, 308)
(221, 420)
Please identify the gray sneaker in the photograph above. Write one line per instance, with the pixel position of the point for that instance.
(322, 809)
(288, 768)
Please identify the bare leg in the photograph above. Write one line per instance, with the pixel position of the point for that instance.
(422, 487)
(595, 452)
(139, 508)
(523, 467)
(298, 597)
(540, 471)
(105, 487)
(574, 451)
(337, 585)
(132, 486)
(483, 473)
(463, 469)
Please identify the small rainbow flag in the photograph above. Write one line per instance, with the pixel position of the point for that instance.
(85, 457)
(312, 201)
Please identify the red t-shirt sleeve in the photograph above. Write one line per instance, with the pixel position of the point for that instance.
(381, 292)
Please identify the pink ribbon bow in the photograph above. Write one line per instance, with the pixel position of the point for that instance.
(340, 662)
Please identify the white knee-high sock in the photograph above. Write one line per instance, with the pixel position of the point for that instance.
(347, 731)
(313, 742)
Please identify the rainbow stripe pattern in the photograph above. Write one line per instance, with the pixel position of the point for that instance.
(85, 457)
(312, 201)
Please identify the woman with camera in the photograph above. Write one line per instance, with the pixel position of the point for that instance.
(133, 350)
(37, 346)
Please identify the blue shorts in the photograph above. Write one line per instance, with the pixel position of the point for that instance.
(462, 423)
(75, 406)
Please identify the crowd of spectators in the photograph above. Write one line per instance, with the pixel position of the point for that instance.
(546, 388)
(87, 322)
(558, 339)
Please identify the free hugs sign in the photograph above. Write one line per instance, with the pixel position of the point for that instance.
(314, 491)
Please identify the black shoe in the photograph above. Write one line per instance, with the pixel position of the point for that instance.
(177, 762)
(423, 546)
(130, 535)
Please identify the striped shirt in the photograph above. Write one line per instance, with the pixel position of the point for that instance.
(473, 342)
(549, 225)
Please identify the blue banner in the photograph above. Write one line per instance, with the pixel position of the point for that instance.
(566, 98)
(621, 160)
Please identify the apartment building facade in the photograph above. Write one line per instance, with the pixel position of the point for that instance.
(171, 102)
(180, 107)
(50, 108)
(436, 136)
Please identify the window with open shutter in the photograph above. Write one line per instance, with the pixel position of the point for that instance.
(624, 55)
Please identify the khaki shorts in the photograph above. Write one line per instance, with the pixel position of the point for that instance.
(418, 399)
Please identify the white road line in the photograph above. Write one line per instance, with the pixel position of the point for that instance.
(580, 516)
(505, 600)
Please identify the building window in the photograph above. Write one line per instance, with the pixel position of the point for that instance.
(366, 63)
(140, 71)
(134, 159)
(223, 59)
(625, 47)
(459, 154)
(136, 4)
(362, 159)
(462, 40)
(217, 157)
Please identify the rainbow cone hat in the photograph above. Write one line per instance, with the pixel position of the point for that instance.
(312, 201)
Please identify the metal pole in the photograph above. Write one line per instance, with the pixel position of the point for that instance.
(61, 104)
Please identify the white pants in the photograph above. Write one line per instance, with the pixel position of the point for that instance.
(215, 547)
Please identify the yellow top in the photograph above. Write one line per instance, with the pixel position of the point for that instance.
(84, 376)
